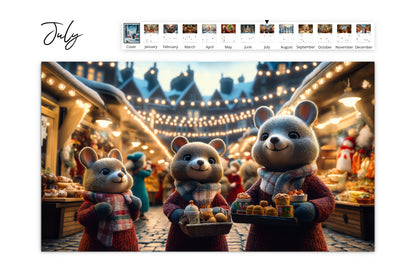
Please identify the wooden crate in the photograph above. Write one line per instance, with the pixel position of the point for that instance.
(59, 217)
(352, 219)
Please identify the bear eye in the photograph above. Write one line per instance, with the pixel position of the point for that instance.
(123, 170)
(211, 160)
(294, 135)
(187, 157)
(105, 171)
(264, 136)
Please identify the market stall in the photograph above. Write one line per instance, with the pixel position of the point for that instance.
(76, 113)
(344, 94)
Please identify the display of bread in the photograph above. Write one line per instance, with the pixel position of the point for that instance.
(249, 209)
(270, 211)
(258, 210)
(282, 199)
(65, 188)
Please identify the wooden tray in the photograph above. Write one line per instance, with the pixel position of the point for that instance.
(206, 229)
(266, 220)
(63, 199)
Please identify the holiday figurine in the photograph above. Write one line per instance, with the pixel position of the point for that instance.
(197, 170)
(235, 182)
(287, 148)
(345, 157)
(109, 207)
(140, 169)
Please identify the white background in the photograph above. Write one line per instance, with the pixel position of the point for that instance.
(100, 22)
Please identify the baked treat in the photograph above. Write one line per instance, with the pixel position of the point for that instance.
(249, 209)
(282, 199)
(258, 210)
(264, 203)
(297, 196)
(62, 193)
(211, 220)
(243, 195)
(220, 217)
(270, 211)
(51, 193)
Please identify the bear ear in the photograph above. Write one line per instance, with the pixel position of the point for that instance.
(177, 143)
(218, 145)
(87, 157)
(115, 153)
(307, 111)
(262, 114)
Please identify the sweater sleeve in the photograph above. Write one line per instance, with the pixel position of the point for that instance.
(86, 214)
(171, 204)
(321, 197)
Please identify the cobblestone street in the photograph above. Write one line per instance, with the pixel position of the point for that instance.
(152, 236)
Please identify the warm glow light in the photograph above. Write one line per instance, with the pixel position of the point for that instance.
(144, 147)
(71, 93)
(350, 101)
(335, 120)
(128, 97)
(113, 64)
(135, 143)
(152, 151)
(116, 133)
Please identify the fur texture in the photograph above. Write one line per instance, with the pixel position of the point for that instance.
(107, 175)
(285, 143)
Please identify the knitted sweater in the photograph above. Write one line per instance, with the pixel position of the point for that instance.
(122, 241)
(307, 236)
(179, 241)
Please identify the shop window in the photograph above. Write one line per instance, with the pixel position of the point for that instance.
(282, 68)
(80, 70)
(91, 74)
(99, 76)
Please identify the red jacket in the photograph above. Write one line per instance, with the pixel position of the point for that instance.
(179, 241)
(307, 236)
(232, 195)
(122, 241)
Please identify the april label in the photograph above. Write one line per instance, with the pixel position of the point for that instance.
(57, 33)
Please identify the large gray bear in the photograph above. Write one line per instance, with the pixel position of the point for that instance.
(287, 149)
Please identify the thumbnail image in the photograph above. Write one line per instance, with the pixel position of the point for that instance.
(189, 28)
(228, 28)
(209, 28)
(324, 28)
(344, 29)
(151, 28)
(131, 33)
(170, 28)
(305, 29)
(363, 28)
(286, 29)
(266, 28)
(247, 28)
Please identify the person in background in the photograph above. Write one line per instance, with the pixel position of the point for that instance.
(140, 169)
(235, 182)
(248, 173)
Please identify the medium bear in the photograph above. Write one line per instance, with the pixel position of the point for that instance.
(109, 207)
(197, 170)
(287, 148)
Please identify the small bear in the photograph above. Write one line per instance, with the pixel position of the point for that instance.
(287, 148)
(109, 207)
(197, 170)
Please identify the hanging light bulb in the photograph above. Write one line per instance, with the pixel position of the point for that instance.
(103, 121)
(349, 98)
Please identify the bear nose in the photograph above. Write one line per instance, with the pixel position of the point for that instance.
(274, 140)
(120, 174)
(200, 162)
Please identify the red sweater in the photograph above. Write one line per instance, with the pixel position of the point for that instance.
(122, 241)
(179, 241)
(232, 195)
(307, 236)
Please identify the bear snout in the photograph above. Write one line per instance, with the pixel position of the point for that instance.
(274, 140)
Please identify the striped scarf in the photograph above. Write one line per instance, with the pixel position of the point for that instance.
(276, 182)
(120, 218)
(201, 194)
